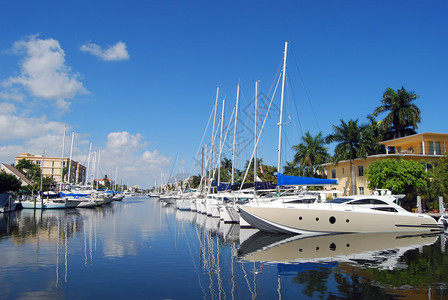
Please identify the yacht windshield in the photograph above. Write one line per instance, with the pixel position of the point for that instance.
(340, 200)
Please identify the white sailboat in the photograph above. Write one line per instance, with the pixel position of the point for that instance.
(366, 213)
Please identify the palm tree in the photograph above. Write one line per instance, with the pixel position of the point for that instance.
(403, 117)
(29, 169)
(374, 133)
(291, 169)
(311, 153)
(226, 169)
(351, 145)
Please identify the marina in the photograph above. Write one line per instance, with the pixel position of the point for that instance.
(142, 247)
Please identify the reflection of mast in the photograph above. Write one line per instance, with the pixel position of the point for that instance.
(66, 251)
(57, 253)
(38, 242)
(209, 263)
(232, 278)
(62, 160)
(255, 280)
(85, 244)
(218, 266)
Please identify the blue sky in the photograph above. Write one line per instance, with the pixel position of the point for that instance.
(138, 79)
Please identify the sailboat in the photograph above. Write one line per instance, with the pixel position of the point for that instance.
(361, 213)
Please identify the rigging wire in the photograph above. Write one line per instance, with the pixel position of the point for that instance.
(306, 90)
(202, 140)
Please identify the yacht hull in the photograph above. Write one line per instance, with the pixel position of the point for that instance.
(309, 219)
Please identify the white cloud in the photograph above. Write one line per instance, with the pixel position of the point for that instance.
(12, 94)
(30, 135)
(127, 153)
(7, 153)
(43, 70)
(7, 108)
(113, 53)
(124, 151)
(16, 127)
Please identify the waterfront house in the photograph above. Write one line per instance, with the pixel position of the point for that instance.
(426, 147)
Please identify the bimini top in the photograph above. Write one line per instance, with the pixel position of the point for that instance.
(298, 180)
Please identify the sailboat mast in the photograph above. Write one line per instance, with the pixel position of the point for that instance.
(256, 117)
(213, 138)
(62, 160)
(220, 142)
(280, 124)
(234, 132)
(70, 160)
(98, 169)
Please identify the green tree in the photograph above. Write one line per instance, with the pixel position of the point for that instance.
(9, 182)
(374, 133)
(264, 172)
(400, 176)
(403, 115)
(351, 145)
(195, 181)
(106, 182)
(438, 185)
(226, 169)
(292, 169)
(29, 169)
(48, 183)
(311, 153)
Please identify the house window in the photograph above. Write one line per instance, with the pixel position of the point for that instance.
(438, 151)
(361, 190)
(361, 171)
(38, 162)
(333, 173)
(431, 148)
(343, 170)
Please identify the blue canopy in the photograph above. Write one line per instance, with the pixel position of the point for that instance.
(223, 186)
(297, 180)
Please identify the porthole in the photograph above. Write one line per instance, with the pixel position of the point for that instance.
(332, 220)
(347, 220)
(300, 250)
(317, 248)
(300, 218)
(317, 219)
(348, 245)
(332, 246)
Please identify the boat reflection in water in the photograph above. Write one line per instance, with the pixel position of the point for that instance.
(379, 250)
(381, 264)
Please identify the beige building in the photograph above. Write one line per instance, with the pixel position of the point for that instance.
(51, 166)
(428, 147)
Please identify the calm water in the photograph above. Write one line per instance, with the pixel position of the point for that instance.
(141, 249)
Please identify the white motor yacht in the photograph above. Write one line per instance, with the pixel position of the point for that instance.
(350, 214)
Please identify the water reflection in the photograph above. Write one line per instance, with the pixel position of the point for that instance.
(141, 248)
(332, 266)
(379, 250)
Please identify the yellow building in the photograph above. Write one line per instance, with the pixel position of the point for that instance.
(427, 147)
(51, 166)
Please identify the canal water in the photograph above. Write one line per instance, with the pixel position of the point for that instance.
(141, 249)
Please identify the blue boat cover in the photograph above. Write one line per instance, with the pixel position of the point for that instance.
(223, 186)
(297, 180)
(259, 185)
